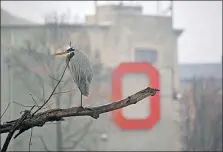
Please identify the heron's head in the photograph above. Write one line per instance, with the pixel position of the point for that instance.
(66, 52)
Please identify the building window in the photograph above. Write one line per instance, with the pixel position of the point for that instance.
(146, 55)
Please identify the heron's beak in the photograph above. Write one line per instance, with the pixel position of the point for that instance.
(60, 54)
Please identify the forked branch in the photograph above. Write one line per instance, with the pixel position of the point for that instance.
(41, 118)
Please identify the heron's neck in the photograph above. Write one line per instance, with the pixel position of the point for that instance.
(70, 55)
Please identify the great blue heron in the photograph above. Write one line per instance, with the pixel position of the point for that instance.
(80, 68)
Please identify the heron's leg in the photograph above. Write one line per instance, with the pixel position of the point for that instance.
(81, 100)
(81, 107)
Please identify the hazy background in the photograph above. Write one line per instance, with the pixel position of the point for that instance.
(186, 56)
(201, 20)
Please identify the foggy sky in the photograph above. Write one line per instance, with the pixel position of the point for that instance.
(201, 21)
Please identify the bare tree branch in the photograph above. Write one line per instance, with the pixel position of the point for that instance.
(41, 118)
(64, 91)
(14, 128)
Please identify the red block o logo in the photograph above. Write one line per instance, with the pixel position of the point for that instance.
(152, 73)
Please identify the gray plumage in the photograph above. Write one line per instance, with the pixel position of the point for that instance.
(81, 70)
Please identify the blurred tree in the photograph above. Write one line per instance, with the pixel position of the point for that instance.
(203, 111)
(34, 65)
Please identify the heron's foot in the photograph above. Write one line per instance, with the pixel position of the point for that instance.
(81, 108)
(93, 114)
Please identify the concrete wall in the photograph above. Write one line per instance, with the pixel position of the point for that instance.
(129, 29)
(127, 32)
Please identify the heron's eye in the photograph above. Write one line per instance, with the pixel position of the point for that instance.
(70, 50)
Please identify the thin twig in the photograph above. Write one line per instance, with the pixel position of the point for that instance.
(48, 106)
(43, 142)
(43, 89)
(85, 128)
(5, 109)
(51, 92)
(30, 139)
(34, 100)
(64, 91)
(28, 106)
(76, 143)
(55, 79)
(21, 104)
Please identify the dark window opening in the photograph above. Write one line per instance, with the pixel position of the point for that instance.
(146, 55)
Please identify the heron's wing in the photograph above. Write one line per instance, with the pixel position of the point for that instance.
(81, 71)
(90, 76)
(85, 65)
(79, 77)
(76, 71)
(73, 78)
